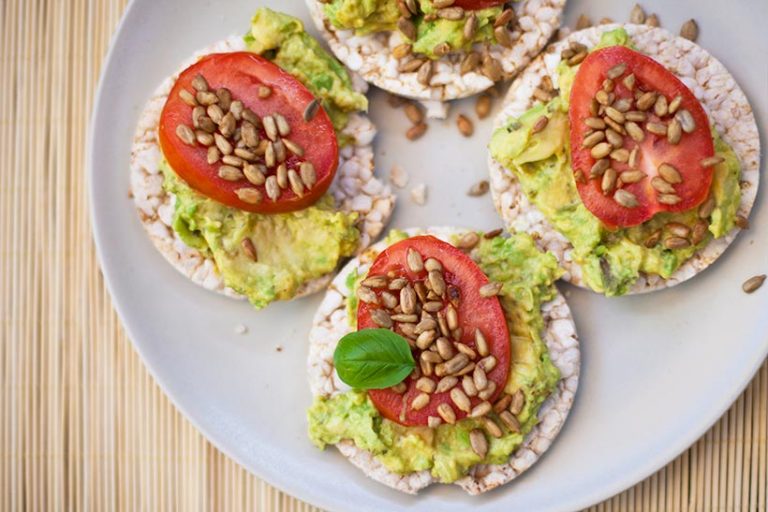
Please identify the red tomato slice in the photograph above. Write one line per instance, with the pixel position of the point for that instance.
(243, 74)
(474, 5)
(676, 194)
(463, 279)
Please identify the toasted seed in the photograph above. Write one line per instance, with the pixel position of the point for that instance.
(248, 195)
(470, 62)
(367, 295)
(249, 249)
(416, 131)
(620, 155)
(215, 113)
(507, 16)
(616, 71)
(293, 147)
(603, 98)
(414, 113)
(414, 260)
(478, 442)
(468, 385)
(249, 134)
(229, 173)
(381, 318)
(636, 116)
(254, 174)
(634, 131)
(712, 161)
(408, 300)
(595, 123)
(214, 155)
(456, 363)
(308, 175)
(670, 173)
(204, 138)
(662, 185)
(753, 283)
(625, 198)
(250, 116)
(200, 83)
(676, 242)
(661, 106)
(272, 188)
(492, 427)
(601, 150)
(653, 20)
(188, 98)
(629, 81)
(490, 289)
(426, 339)
(653, 239)
(622, 105)
(646, 101)
(206, 98)
(577, 58)
(410, 66)
(445, 348)
(480, 378)
(502, 403)
(518, 401)
(426, 385)
(599, 168)
(510, 421)
(481, 409)
(466, 128)
(481, 344)
(421, 291)
(678, 229)
(637, 15)
(490, 389)
(479, 189)
(282, 176)
(699, 232)
(493, 233)
(451, 13)
(689, 30)
(609, 85)
(398, 283)
(440, 49)
(470, 27)
(591, 140)
(540, 124)
(615, 115)
(674, 132)
(632, 176)
(432, 264)
(675, 104)
(446, 413)
(437, 282)
(186, 134)
(424, 73)
(488, 363)
(431, 357)
(634, 157)
(583, 22)
(264, 91)
(656, 128)
(467, 350)
(461, 400)
(707, 207)
(245, 154)
(670, 199)
(483, 106)
(608, 182)
(741, 222)
(270, 126)
(687, 122)
(282, 125)
(445, 384)
(234, 161)
(223, 144)
(503, 36)
(433, 306)
(403, 318)
(407, 27)
(421, 401)
(434, 421)
(296, 185)
(492, 68)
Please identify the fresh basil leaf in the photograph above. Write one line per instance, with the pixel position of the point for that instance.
(373, 359)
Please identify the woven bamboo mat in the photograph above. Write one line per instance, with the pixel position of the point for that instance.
(82, 425)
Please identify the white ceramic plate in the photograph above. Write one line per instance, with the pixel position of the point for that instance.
(658, 369)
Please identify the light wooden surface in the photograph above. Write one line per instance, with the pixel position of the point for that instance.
(82, 425)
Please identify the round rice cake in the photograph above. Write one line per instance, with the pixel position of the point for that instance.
(712, 84)
(355, 188)
(331, 323)
(371, 55)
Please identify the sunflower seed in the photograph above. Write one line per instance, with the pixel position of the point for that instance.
(200, 83)
(686, 120)
(414, 260)
(426, 339)
(622, 105)
(431, 357)
(502, 403)
(625, 198)
(591, 140)
(481, 409)
(254, 174)
(248, 195)
(503, 36)
(403, 318)
(490, 289)
(603, 98)
(507, 16)
(629, 81)
(223, 144)
(577, 58)
(426, 385)
(712, 161)
(467, 350)
(407, 28)
(510, 421)
(433, 306)
(492, 68)
(272, 188)
(445, 384)
(741, 222)
(451, 13)
(229, 173)
(421, 401)
(636, 116)
(481, 344)
(456, 363)
(646, 101)
(188, 98)
(674, 132)
(461, 400)
(674, 104)
(676, 242)
(661, 185)
(213, 155)
(632, 176)
(424, 73)
(634, 131)
(707, 207)
(264, 91)
(470, 62)
(599, 168)
(310, 111)
(517, 403)
(480, 378)
(206, 98)
(408, 300)
(204, 138)
(540, 124)
(446, 413)
(669, 199)
(445, 348)
(670, 174)
(699, 232)
(488, 392)
(416, 131)
(381, 318)
(753, 283)
(492, 427)
(653, 239)
(656, 128)
(282, 176)
(634, 156)
(661, 106)
(620, 155)
(186, 134)
(678, 229)
(608, 183)
(595, 123)
(601, 150)
(308, 175)
(637, 15)
(295, 181)
(689, 30)
(488, 363)
(468, 385)
(616, 71)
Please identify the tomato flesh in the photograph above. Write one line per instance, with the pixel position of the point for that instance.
(244, 74)
(463, 280)
(653, 150)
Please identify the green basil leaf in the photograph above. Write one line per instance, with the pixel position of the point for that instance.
(373, 359)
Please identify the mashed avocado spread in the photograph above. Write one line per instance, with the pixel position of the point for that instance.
(368, 16)
(611, 260)
(292, 248)
(528, 276)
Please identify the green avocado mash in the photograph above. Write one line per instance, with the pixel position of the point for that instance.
(292, 248)
(368, 16)
(281, 38)
(611, 260)
(528, 276)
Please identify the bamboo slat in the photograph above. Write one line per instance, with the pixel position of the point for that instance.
(83, 426)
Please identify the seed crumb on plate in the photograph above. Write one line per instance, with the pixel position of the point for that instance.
(241, 329)
(419, 194)
(398, 176)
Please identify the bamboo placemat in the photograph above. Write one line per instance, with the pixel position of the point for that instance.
(83, 425)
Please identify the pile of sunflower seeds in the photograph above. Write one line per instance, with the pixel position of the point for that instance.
(248, 149)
